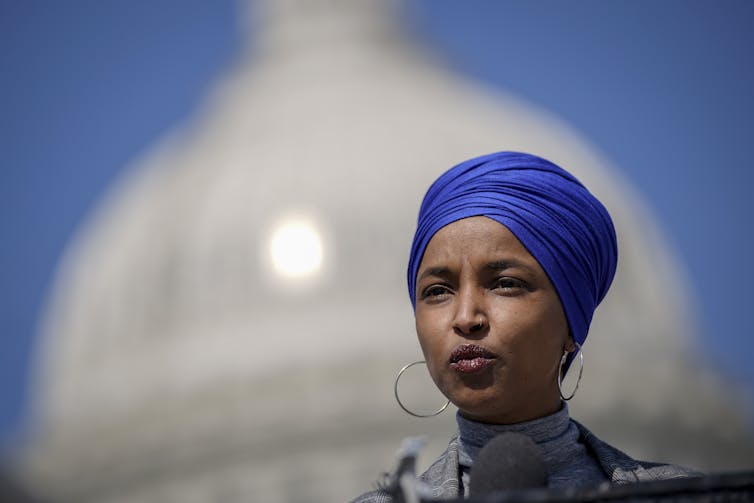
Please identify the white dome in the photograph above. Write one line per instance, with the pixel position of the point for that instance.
(176, 366)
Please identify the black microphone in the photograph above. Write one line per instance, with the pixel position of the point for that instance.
(510, 461)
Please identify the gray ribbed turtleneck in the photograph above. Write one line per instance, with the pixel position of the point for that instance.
(568, 462)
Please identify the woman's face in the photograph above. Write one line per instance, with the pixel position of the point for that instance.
(490, 323)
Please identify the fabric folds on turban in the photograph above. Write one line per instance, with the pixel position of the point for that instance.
(565, 228)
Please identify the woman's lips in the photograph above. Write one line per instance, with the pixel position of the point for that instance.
(471, 358)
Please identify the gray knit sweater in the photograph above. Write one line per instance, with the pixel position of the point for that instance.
(568, 462)
(556, 436)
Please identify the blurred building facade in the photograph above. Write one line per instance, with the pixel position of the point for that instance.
(178, 365)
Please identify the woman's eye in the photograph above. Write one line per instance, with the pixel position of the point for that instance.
(509, 284)
(434, 291)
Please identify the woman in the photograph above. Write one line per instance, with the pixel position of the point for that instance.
(510, 258)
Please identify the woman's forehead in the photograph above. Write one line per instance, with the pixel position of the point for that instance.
(477, 239)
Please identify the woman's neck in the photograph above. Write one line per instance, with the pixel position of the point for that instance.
(474, 435)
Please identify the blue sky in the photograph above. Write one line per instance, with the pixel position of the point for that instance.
(664, 89)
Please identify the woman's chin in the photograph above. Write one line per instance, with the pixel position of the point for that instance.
(481, 408)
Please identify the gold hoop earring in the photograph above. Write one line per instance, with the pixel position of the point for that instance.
(397, 398)
(560, 372)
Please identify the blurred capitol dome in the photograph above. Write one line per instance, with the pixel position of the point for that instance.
(228, 323)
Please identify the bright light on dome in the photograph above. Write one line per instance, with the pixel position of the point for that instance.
(296, 249)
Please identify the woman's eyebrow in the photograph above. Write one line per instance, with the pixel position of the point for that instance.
(501, 265)
(433, 271)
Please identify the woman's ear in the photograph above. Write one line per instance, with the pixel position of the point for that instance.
(569, 346)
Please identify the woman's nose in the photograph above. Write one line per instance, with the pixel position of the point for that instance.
(470, 317)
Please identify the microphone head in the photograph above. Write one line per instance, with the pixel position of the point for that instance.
(509, 461)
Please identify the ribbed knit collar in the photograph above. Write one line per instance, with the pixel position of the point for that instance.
(549, 433)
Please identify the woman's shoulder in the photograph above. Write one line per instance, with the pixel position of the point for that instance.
(623, 469)
(441, 478)
(376, 496)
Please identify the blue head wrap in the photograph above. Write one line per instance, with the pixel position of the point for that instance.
(565, 228)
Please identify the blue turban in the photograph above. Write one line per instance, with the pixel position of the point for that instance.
(565, 228)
